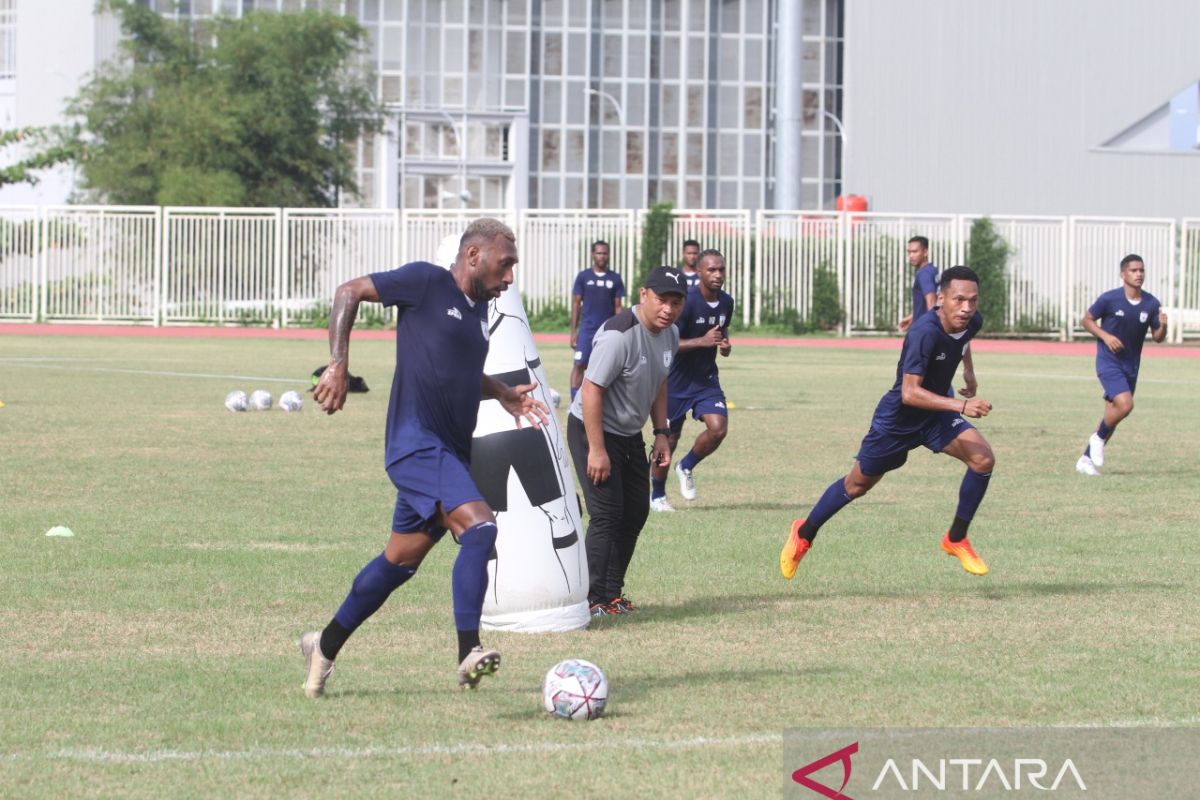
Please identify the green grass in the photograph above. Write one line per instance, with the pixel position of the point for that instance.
(154, 654)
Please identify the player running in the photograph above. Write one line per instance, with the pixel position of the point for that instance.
(441, 345)
(915, 412)
(1119, 319)
(693, 384)
(597, 296)
(691, 256)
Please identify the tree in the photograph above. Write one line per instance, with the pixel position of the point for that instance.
(36, 152)
(987, 254)
(656, 232)
(254, 111)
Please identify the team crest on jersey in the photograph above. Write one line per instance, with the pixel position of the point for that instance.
(454, 312)
(722, 322)
(667, 359)
(608, 284)
(483, 324)
(1143, 316)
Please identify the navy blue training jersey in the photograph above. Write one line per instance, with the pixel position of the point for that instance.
(696, 369)
(924, 282)
(692, 278)
(932, 353)
(1128, 322)
(441, 344)
(600, 291)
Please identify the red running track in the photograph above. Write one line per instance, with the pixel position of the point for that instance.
(1014, 346)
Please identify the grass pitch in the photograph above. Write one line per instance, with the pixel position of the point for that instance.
(154, 654)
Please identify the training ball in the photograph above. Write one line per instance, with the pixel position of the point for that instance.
(260, 400)
(555, 398)
(575, 689)
(291, 401)
(236, 400)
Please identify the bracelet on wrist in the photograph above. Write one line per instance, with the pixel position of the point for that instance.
(662, 431)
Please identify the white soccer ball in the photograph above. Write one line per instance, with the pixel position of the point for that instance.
(260, 400)
(236, 400)
(555, 398)
(291, 401)
(575, 689)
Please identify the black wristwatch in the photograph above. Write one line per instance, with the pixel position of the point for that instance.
(662, 431)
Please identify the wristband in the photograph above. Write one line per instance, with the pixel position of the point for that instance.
(662, 431)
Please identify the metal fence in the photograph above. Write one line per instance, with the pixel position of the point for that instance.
(280, 267)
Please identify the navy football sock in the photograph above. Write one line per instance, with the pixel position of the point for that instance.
(371, 587)
(469, 578)
(1103, 432)
(833, 501)
(690, 460)
(970, 495)
(658, 488)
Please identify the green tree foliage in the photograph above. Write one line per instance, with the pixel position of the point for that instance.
(656, 232)
(254, 111)
(987, 254)
(827, 313)
(39, 153)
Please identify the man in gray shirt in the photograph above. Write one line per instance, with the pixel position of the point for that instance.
(625, 382)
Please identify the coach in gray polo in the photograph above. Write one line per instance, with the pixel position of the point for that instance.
(625, 382)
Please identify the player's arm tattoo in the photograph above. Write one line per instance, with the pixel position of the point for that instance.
(341, 317)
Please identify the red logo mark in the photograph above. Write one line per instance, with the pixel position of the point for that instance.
(800, 776)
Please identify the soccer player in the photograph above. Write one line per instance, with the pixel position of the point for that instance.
(1119, 319)
(924, 298)
(441, 344)
(626, 382)
(691, 254)
(915, 412)
(596, 297)
(925, 280)
(693, 384)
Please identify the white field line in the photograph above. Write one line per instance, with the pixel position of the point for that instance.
(97, 755)
(155, 373)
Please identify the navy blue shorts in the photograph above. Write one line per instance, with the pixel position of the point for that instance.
(884, 452)
(583, 345)
(706, 401)
(424, 480)
(1115, 381)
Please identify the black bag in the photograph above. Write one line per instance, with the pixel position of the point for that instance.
(356, 384)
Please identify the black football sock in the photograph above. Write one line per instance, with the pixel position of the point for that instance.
(467, 641)
(333, 637)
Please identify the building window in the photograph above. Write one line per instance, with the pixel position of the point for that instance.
(8, 39)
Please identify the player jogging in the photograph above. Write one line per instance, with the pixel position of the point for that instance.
(915, 412)
(691, 255)
(693, 384)
(1119, 319)
(441, 345)
(597, 296)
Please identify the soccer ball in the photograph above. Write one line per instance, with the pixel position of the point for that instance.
(555, 398)
(291, 401)
(260, 400)
(236, 400)
(575, 689)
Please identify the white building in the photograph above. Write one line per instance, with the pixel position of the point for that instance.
(529, 103)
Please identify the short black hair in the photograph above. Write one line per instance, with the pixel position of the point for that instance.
(921, 240)
(959, 273)
(598, 242)
(712, 251)
(1129, 259)
(690, 243)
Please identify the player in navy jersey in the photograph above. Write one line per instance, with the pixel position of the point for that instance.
(924, 298)
(693, 384)
(915, 412)
(441, 344)
(597, 295)
(925, 281)
(691, 255)
(1119, 320)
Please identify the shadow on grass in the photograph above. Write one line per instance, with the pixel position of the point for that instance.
(1066, 589)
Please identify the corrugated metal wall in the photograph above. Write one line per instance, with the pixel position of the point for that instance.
(967, 106)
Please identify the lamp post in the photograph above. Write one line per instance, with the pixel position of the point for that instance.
(845, 145)
(621, 119)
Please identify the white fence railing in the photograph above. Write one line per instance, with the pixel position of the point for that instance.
(280, 267)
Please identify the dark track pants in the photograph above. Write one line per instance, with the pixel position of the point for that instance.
(617, 508)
